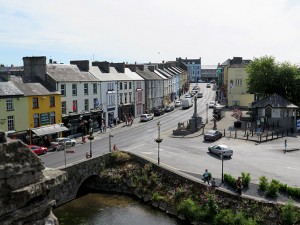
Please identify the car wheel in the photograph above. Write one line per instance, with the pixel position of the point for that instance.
(73, 144)
(209, 150)
(44, 152)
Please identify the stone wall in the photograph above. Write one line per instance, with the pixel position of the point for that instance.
(25, 185)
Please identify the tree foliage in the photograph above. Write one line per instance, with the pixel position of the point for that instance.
(267, 77)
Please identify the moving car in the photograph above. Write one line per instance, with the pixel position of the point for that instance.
(187, 103)
(208, 85)
(169, 108)
(199, 95)
(178, 103)
(212, 104)
(221, 149)
(39, 150)
(212, 135)
(159, 112)
(59, 143)
(146, 117)
(187, 96)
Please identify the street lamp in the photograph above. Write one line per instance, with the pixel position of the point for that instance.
(109, 141)
(158, 140)
(206, 112)
(222, 157)
(91, 137)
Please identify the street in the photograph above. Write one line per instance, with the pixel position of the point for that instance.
(191, 154)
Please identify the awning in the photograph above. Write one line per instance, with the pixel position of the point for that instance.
(50, 129)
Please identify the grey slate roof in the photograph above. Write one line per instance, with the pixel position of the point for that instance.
(32, 86)
(9, 89)
(147, 74)
(68, 73)
(275, 101)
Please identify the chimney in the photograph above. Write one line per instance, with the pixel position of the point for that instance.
(103, 66)
(151, 68)
(50, 61)
(35, 66)
(132, 67)
(120, 67)
(83, 65)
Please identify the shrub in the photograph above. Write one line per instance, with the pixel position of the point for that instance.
(191, 210)
(246, 179)
(273, 189)
(283, 187)
(289, 214)
(119, 156)
(224, 217)
(292, 191)
(157, 197)
(230, 180)
(263, 183)
(211, 207)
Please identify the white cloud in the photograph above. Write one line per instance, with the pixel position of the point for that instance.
(137, 30)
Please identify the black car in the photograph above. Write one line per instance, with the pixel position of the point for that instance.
(212, 135)
(169, 108)
(158, 112)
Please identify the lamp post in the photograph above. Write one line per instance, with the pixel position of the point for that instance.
(222, 157)
(109, 141)
(91, 137)
(158, 140)
(206, 112)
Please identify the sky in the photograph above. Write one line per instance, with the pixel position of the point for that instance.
(149, 31)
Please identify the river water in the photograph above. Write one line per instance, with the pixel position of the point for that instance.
(112, 209)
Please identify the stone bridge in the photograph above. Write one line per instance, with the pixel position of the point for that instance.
(76, 174)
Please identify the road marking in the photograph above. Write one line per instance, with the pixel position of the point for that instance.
(291, 168)
(134, 147)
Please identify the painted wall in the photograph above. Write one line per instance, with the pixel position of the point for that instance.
(20, 113)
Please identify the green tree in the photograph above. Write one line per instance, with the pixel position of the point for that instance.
(267, 77)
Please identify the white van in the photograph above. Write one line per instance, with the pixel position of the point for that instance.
(187, 103)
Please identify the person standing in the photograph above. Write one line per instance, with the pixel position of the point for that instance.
(206, 176)
(239, 185)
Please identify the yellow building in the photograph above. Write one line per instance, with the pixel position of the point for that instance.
(43, 107)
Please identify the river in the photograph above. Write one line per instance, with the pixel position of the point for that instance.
(113, 209)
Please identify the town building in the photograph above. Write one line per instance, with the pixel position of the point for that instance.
(194, 68)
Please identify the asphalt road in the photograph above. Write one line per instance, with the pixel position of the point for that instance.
(190, 154)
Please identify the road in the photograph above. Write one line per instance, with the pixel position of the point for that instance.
(190, 154)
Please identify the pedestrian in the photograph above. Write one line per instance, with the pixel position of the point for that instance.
(103, 127)
(206, 176)
(213, 183)
(125, 118)
(239, 185)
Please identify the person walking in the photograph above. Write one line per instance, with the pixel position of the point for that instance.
(206, 176)
(239, 185)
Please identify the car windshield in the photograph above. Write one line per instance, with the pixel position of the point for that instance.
(212, 102)
(211, 132)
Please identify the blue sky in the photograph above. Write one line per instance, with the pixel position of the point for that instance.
(149, 31)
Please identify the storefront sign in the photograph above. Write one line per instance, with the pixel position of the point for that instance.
(44, 118)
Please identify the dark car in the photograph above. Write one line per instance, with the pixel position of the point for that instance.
(158, 112)
(169, 108)
(212, 135)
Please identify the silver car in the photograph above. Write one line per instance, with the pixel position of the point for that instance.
(221, 150)
(146, 117)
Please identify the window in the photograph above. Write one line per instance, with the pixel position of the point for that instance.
(36, 120)
(10, 123)
(9, 104)
(238, 82)
(74, 106)
(63, 107)
(95, 88)
(52, 117)
(130, 85)
(125, 96)
(96, 103)
(121, 98)
(139, 85)
(86, 104)
(35, 103)
(63, 89)
(86, 89)
(121, 86)
(52, 101)
(74, 89)
(130, 100)
(125, 85)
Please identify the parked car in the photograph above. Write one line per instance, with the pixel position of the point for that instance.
(188, 96)
(178, 103)
(208, 85)
(199, 95)
(39, 150)
(221, 149)
(159, 112)
(212, 104)
(197, 88)
(169, 108)
(60, 143)
(212, 135)
(146, 117)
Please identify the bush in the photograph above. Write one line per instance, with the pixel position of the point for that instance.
(246, 179)
(191, 210)
(289, 214)
(292, 191)
(228, 217)
(230, 180)
(119, 156)
(273, 189)
(157, 197)
(263, 183)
